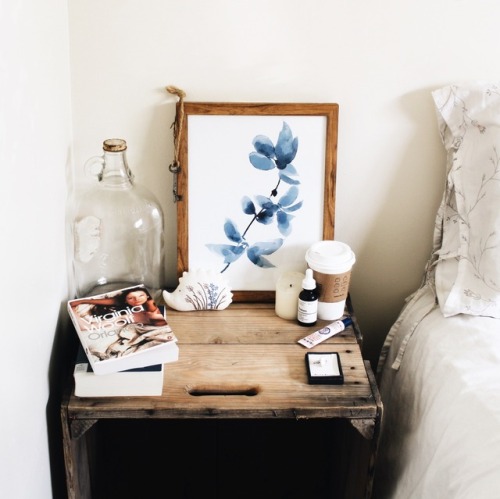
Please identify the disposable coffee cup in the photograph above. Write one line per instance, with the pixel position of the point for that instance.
(331, 262)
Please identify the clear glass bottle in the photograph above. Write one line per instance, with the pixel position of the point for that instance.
(117, 229)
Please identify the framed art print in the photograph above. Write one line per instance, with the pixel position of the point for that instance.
(256, 187)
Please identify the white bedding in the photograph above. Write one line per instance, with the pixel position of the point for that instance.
(440, 435)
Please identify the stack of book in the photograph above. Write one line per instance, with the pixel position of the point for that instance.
(125, 340)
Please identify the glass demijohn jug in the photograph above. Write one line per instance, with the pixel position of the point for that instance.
(117, 229)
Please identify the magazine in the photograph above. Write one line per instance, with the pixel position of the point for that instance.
(122, 329)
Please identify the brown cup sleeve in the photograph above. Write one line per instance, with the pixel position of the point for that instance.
(332, 287)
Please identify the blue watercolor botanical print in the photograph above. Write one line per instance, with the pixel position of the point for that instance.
(265, 210)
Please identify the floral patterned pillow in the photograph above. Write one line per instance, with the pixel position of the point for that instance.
(468, 262)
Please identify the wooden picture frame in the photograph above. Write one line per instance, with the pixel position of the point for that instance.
(227, 153)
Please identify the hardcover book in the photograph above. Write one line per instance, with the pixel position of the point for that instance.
(141, 381)
(123, 329)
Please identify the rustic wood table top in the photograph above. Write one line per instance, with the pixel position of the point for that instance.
(245, 362)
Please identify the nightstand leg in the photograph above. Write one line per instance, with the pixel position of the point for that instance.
(76, 458)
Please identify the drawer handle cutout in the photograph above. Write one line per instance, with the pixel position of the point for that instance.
(247, 391)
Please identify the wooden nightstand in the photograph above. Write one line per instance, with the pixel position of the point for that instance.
(237, 418)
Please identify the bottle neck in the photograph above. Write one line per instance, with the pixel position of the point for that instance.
(116, 170)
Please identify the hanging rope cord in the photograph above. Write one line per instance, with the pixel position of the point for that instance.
(177, 125)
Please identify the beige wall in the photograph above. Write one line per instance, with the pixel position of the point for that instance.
(35, 142)
(378, 59)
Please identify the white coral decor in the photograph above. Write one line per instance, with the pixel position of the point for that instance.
(199, 290)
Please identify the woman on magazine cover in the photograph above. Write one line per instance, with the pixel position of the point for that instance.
(131, 297)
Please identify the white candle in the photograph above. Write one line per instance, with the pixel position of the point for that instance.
(288, 287)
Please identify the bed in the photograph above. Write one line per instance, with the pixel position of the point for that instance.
(439, 369)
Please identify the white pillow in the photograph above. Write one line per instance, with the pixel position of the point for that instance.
(468, 266)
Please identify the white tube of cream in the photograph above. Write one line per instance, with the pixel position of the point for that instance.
(327, 332)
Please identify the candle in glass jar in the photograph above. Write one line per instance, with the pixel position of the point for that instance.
(288, 288)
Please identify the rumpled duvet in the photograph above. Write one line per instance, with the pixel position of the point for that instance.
(439, 380)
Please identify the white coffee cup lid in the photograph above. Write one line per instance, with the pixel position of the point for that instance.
(330, 257)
